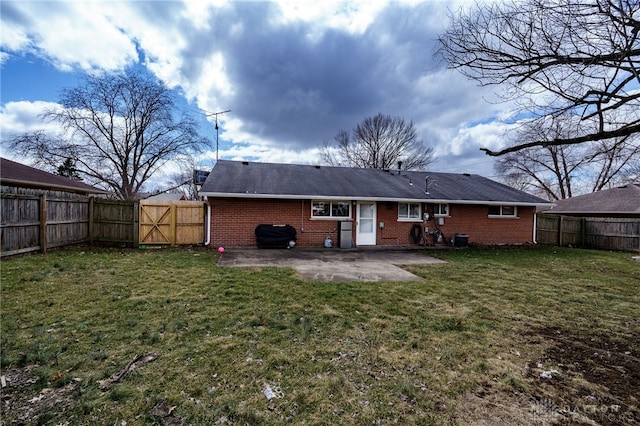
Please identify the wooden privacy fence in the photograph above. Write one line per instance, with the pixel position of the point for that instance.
(37, 221)
(589, 232)
(113, 222)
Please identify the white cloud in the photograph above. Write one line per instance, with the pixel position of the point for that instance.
(24, 116)
(68, 34)
(461, 153)
(157, 33)
(264, 154)
(211, 88)
(18, 118)
(199, 12)
(14, 37)
(292, 72)
(351, 16)
(487, 135)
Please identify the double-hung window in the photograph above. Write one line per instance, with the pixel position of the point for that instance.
(503, 211)
(331, 209)
(409, 211)
(441, 210)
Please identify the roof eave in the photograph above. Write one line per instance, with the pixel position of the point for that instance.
(583, 212)
(392, 199)
(31, 184)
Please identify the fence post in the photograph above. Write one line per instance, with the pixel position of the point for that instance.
(173, 218)
(43, 223)
(91, 219)
(136, 223)
(560, 231)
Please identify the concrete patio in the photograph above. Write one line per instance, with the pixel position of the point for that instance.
(334, 264)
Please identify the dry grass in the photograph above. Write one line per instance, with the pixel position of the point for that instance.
(465, 346)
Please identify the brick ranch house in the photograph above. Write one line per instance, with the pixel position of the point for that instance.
(383, 207)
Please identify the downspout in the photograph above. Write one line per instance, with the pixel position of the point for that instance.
(535, 226)
(207, 236)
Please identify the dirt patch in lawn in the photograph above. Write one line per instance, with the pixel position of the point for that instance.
(578, 380)
(25, 400)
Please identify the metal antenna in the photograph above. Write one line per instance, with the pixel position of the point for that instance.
(216, 114)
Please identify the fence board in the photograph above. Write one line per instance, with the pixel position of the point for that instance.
(114, 221)
(67, 221)
(172, 222)
(607, 233)
(36, 220)
(548, 229)
(155, 223)
(570, 231)
(589, 232)
(190, 220)
(20, 231)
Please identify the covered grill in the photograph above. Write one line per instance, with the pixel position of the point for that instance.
(275, 236)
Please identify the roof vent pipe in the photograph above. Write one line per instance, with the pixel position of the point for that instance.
(399, 167)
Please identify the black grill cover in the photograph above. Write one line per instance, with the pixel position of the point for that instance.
(275, 236)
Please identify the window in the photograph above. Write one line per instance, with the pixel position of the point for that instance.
(503, 211)
(440, 210)
(409, 211)
(331, 209)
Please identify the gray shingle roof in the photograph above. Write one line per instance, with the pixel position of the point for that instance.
(16, 174)
(295, 181)
(621, 200)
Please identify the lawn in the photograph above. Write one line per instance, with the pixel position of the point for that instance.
(500, 336)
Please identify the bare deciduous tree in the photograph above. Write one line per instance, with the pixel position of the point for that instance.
(562, 171)
(577, 58)
(379, 142)
(120, 130)
(547, 171)
(183, 180)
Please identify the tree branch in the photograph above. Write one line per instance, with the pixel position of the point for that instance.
(622, 132)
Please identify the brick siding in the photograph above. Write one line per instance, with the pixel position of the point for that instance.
(233, 222)
(474, 221)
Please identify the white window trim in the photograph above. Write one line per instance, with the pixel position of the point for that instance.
(505, 216)
(448, 214)
(410, 219)
(331, 217)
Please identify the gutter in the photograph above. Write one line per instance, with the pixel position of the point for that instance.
(587, 213)
(249, 195)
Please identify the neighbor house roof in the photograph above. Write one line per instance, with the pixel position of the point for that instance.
(243, 179)
(623, 200)
(166, 197)
(16, 174)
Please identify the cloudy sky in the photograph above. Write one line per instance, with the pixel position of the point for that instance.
(293, 73)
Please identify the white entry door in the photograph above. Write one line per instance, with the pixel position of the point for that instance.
(366, 232)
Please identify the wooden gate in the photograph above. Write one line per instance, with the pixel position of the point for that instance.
(172, 222)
